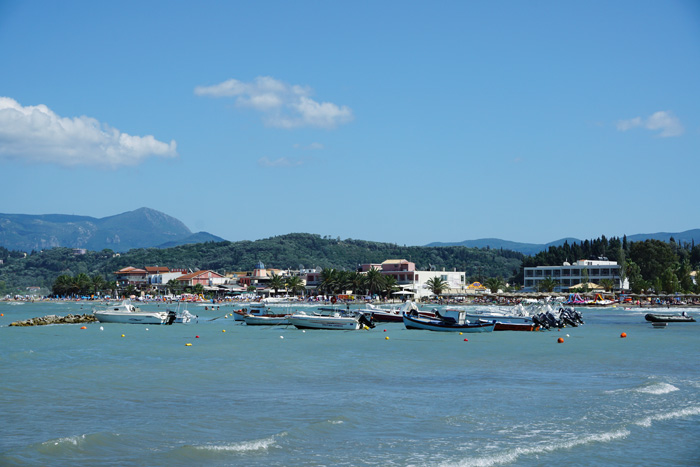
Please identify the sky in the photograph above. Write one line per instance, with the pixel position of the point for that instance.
(394, 121)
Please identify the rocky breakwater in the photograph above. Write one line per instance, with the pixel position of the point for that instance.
(53, 319)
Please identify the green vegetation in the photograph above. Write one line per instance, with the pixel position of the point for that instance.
(283, 252)
(436, 285)
(650, 265)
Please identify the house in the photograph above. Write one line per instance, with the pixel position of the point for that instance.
(206, 278)
(131, 276)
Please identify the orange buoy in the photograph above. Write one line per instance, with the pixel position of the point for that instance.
(624, 334)
(83, 327)
(466, 340)
(560, 340)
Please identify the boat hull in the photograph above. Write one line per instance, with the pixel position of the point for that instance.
(654, 318)
(130, 317)
(438, 325)
(266, 320)
(500, 326)
(324, 322)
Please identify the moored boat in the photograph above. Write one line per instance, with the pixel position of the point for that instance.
(255, 309)
(667, 318)
(266, 320)
(337, 321)
(449, 320)
(127, 313)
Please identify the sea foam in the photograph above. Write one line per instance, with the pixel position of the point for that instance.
(510, 456)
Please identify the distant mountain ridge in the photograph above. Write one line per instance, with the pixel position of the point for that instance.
(141, 228)
(530, 249)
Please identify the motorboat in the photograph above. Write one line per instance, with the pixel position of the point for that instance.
(392, 314)
(266, 320)
(338, 321)
(179, 317)
(255, 309)
(448, 320)
(504, 321)
(127, 313)
(665, 318)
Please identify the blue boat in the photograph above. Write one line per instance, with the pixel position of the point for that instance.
(448, 320)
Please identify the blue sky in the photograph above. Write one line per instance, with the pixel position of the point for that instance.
(405, 122)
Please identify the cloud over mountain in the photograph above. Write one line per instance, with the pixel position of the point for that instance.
(37, 134)
(281, 105)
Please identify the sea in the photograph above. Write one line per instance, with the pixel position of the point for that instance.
(139, 395)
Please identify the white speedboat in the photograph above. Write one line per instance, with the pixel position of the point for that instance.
(334, 321)
(266, 320)
(255, 309)
(127, 313)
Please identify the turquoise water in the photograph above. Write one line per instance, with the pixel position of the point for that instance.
(280, 396)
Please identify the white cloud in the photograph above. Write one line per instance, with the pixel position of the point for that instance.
(280, 162)
(310, 147)
(282, 105)
(663, 120)
(36, 134)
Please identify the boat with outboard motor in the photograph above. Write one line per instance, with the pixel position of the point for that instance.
(254, 308)
(346, 322)
(127, 313)
(448, 320)
(666, 318)
(504, 321)
(393, 314)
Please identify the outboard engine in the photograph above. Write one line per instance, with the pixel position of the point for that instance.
(171, 317)
(567, 318)
(365, 321)
(540, 321)
(552, 320)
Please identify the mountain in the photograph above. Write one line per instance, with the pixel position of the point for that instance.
(497, 243)
(142, 228)
(688, 236)
(199, 237)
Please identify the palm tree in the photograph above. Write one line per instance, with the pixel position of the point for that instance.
(547, 284)
(276, 282)
(436, 285)
(374, 281)
(329, 279)
(295, 284)
(98, 284)
(357, 282)
(494, 284)
(62, 285)
(607, 284)
(83, 283)
(390, 285)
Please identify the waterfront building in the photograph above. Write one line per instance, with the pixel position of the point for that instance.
(411, 281)
(567, 275)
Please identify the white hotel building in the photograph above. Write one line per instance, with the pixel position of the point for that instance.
(571, 274)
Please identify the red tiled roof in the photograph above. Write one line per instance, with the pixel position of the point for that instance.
(157, 269)
(131, 270)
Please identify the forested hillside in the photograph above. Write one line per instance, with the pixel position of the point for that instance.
(650, 265)
(284, 252)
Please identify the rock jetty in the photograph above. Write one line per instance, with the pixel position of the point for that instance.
(53, 319)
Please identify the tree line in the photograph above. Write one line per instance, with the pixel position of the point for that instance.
(649, 265)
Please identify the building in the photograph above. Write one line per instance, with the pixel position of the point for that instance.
(567, 275)
(131, 276)
(409, 279)
(205, 278)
